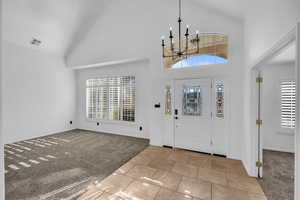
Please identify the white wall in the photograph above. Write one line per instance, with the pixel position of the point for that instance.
(2, 195)
(38, 93)
(138, 69)
(133, 30)
(275, 137)
(297, 138)
(266, 22)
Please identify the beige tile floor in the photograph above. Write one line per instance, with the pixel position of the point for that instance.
(166, 174)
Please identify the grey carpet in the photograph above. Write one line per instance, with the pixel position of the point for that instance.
(278, 175)
(58, 166)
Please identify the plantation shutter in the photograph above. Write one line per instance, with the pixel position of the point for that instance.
(114, 100)
(111, 98)
(128, 100)
(288, 104)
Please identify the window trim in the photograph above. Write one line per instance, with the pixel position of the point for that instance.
(104, 121)
(225, 61)
(215, 44)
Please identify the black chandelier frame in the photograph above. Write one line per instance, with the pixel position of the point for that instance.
(180, 52)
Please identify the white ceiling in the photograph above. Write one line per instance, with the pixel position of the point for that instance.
(234, 8)
(56, 23)
(59, 24)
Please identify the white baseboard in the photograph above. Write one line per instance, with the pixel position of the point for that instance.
(114, 133)
(279, 150)
(42, 135)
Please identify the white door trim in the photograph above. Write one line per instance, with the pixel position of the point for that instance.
(227, 110)
(297, 129)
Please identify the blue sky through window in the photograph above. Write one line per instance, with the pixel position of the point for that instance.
(194, 61)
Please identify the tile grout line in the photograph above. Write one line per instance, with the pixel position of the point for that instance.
(211, 191)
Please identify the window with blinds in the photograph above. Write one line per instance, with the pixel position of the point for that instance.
(288, 104)
(111, 98)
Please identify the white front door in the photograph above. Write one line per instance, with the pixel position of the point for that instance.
(192, 126)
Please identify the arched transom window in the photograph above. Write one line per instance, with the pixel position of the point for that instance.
(213, 49)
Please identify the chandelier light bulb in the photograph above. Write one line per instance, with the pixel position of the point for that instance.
(197, 32)
(163, 37)
(187, 31)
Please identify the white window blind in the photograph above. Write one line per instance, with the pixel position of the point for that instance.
(288, 104)
(111, 98)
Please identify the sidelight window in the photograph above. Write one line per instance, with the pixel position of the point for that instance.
(168, 103)
(220, 100)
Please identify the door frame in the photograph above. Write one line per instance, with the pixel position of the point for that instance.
(281, 45)
(227, 104)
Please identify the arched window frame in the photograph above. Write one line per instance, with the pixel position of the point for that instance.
(212, 46)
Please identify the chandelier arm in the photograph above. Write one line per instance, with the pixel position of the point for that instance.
(190, 54)
(179, 35)
(163, 47)
(186, 50)
(172, 45)
(169, 56)
(186, 44)
(197, 38)
(183, 53)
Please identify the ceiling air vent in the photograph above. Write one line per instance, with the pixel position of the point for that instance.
(35, 42)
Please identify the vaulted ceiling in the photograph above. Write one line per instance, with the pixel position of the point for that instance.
(234, 8)
(58, 24)
(62, 24)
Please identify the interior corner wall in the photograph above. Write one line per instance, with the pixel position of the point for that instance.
(2, 187)
(38, 93)
(140, 70)
(273, 136)
(297, 132)
(265, 23)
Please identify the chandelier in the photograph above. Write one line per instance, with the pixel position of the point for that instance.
(181, 49)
